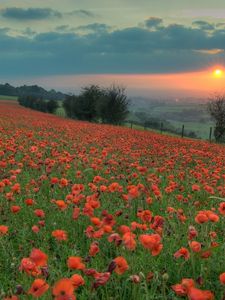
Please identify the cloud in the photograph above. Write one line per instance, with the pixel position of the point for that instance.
(63, 28)
(94, 27)
(26, 14)
(203, 25)
(220, 24)
(4, 30)
(28, 31)
(82, 13)
(84, 29)
(211, 51)
(171, 48)
(153, 22)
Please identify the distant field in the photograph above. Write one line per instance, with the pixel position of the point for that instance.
(164, 108)
(201, 129)
(199, 124)
(172, 108)
(3, 97)
(192, 115)
(60, 111)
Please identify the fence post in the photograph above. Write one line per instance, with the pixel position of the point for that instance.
(182, 132)
(210, 134)
(131, 124)
(161, 127)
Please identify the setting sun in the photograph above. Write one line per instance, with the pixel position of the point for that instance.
(218, 72)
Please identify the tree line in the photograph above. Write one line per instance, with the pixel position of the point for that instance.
(28, 90)
(93, 104)
(96, 104)
(39, 104)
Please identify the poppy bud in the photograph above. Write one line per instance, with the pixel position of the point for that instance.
(135, 278)
(150, 276)
(111, 267)
(165, 276)
(19, 290)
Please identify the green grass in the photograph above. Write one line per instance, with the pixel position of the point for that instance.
(37, 147)
(171, 108)
(201, 129)
(3, 97)
(60, 112)
(199, 123)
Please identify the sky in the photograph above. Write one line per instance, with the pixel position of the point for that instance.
(152, 47)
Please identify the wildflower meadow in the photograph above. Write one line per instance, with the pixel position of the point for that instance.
(92, 211)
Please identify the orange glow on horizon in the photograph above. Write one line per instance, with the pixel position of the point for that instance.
(200, 83)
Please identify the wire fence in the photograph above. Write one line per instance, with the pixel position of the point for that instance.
(182, 132)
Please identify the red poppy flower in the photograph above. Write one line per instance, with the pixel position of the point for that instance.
(195, 246)
(182, 252)
(75, 263)
(151, 242)
(38, 288)
(121, 265)
(77, 280)
(3, 229)
(60, 235)
(38, 257)
(222, 278)
(63, 289)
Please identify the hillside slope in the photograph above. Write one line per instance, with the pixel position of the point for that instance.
(129, 212)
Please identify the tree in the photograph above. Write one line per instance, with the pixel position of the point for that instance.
(40, 104)
(72, 106)
(94, 103)
(28, 101)
(216, 108)
(68, 105)
(113, 105)
(7, 89)
(52, 105)
(88, 102)
(84, 106)
(33, 102)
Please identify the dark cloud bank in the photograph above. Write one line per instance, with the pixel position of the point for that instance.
(152, 48)
(33, 14)
(23, 14)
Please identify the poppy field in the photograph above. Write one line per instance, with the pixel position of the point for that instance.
(90, 211)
